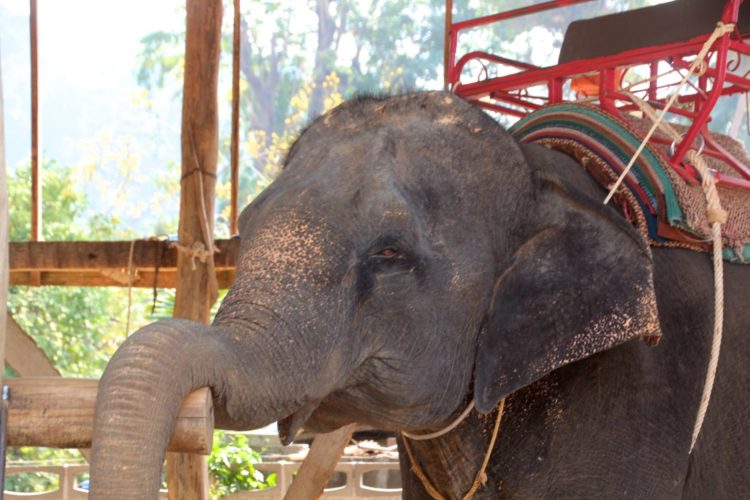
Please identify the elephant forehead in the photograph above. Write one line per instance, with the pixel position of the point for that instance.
(288, 243)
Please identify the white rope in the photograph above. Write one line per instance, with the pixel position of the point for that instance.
(715, 214)
(443, 431)
(130, 287)
(481, 476)
(196, 251)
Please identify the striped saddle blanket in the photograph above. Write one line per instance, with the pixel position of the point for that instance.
(666, 209)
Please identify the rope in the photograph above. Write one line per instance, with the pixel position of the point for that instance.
(445, 430)
(130, 287)
(716, 216)
(481, 477)
(698, 66)
(202, 252)
(196, 251)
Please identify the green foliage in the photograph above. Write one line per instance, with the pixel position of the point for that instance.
(231, 466)
(78, 328)
(32, 482)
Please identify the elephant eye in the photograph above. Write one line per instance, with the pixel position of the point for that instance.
(387, 253)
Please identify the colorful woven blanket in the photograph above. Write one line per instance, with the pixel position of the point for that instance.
(666, 209)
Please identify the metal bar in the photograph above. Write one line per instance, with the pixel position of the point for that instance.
(235, 153)
(36, 188)
(510, 14)
(607, 86)
(518, 101)
(653, 70)
(500, 109)
(706, 107)
(481, 55)
(725, 155)
(447, 60)
(574, 68)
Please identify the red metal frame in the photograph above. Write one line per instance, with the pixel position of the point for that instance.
(509, 94)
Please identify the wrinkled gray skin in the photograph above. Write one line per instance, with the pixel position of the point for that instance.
(412, 257)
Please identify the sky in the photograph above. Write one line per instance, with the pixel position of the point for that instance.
(88, 91)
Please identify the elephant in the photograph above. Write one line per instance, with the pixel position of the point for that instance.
(413, 259)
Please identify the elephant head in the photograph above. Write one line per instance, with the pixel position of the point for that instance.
(410, 256)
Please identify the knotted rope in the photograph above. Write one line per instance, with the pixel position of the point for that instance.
(715, 214)
(481, 477)
(196, 251)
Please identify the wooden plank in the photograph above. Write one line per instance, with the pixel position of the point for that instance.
(319, 464)
(187, 476)
(59, 413)
(105, 263)
(23, 355)
(90, 255)
(144, 279)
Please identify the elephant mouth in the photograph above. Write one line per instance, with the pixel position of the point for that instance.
(291, 425)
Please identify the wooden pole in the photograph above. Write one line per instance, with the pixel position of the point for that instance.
(23, 355)
(59, 413)
(235, 154)
(187, 475)
(36, 184)
(3, 227)
(316, 470)
(447, 43)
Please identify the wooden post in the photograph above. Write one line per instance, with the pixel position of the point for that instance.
(447, 43)
(196, 281)
(235, 154)
(36, 179)
(3, 228)
(316, 470)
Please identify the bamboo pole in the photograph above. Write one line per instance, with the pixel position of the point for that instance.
(235, 154)
(187, 475)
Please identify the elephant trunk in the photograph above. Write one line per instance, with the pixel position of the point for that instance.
(143, 386)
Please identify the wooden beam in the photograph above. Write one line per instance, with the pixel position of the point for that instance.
(316, 470)
(93, 255)
(23, 355)
(59, 413)
(187, 475)
(143, 279)
(105, 263)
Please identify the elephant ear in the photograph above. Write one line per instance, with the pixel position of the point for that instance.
(580, 286)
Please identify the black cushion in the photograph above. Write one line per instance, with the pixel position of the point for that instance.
(672, 22)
